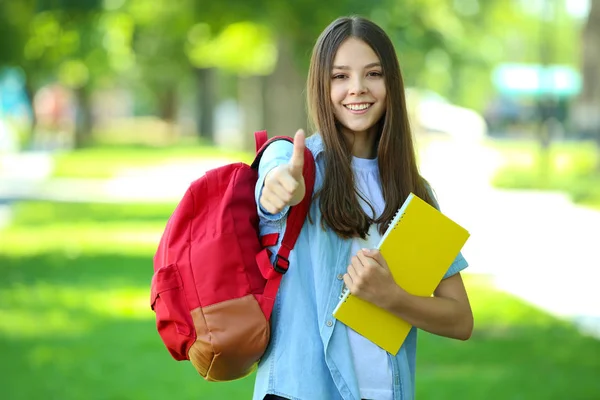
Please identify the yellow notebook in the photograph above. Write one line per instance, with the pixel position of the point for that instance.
(419, 246)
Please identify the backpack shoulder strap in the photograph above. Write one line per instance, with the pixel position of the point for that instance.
(260, 138)
(295, 220)
(297, 215)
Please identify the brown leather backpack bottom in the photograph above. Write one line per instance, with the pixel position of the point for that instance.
(221, 329)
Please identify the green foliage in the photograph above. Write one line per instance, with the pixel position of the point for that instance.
(75, 319)
(152, 47)
(242, 47)
(14, 20)
(516, 352)
(568, 167)
(451, 46)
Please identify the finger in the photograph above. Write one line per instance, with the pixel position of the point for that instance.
(297, 160)
(349, 282)
(357, 264)
(375, 255)
(354, 277)
(365, 260)
(272, 203)
(268, 207)
(289, 182)
(353, 272)
(276, 190)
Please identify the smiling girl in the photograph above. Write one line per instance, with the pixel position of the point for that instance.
(366, 168)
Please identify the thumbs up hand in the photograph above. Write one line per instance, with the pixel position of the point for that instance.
(284, 185)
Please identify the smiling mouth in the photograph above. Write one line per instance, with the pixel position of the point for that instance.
(358, 107)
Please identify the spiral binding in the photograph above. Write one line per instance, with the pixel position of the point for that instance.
(345, 291)
(397, 217)
(392, 225)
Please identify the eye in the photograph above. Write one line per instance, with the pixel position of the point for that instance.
(375, 73)
(339, 76)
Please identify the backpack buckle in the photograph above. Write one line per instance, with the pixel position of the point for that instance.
(281, 264)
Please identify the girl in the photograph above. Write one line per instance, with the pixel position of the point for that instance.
(365, 169)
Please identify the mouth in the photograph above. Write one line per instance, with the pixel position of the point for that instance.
(358, 107)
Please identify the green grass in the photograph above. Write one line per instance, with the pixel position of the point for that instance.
(108, 161)
(75, 322)
(568, 167)
(516, 352)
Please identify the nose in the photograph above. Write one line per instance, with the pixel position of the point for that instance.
(357, 85)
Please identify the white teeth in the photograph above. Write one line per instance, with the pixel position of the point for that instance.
(358, 107)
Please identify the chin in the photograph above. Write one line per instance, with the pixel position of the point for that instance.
(358, 128)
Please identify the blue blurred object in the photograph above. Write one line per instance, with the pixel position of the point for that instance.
(14, 101)
(536, 80)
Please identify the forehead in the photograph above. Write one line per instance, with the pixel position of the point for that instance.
(354, 52)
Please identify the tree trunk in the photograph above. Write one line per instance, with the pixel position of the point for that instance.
(285, 94)
(590, 96)
(168, 109)
(547, 99)
(586, 110)
(83, 118)
(207, 92)
(252, 98)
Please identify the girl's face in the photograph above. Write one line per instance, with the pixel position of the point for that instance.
(357, 87)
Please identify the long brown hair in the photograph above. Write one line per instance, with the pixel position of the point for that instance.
(396, 156)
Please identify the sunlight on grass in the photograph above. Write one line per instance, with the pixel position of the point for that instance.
(94, 162)
(571, 169)
(72, 229)
(493, 308)
(40, 213)
(73, 239)
(75, 314)
(67, 310)
(27, 323)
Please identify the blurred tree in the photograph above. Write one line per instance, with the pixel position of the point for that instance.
(587, 109)
(297, 24)
(170, 52)
(14, 17)
(57, 41)
(160, 28)
(267, 43)
(246, 49)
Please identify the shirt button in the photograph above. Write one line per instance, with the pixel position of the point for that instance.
(340, 277)
(329, 323)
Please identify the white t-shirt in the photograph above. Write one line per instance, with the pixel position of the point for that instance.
(371, 363)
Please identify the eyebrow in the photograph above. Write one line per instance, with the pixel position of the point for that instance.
(345, 67)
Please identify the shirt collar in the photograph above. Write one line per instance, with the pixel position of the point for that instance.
(315, 144)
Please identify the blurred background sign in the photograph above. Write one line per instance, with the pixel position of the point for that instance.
(537, 80)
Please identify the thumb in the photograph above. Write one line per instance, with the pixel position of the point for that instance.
(297, 160)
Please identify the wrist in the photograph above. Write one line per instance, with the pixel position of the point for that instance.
(397, 299)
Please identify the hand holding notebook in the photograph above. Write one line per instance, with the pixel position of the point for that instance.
(419, 247)
(369, 276)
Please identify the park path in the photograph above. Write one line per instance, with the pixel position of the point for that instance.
(536, 245)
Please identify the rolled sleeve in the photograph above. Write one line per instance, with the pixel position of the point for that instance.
(459, 262)
(278, 152)
(458, 265)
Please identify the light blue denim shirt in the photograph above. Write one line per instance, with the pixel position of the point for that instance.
(309, 356)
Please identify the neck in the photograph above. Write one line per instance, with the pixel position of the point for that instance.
(362, 143)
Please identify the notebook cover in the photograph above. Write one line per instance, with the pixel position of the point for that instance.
(419, 247)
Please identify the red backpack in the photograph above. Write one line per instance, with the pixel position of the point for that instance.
(214, 286)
